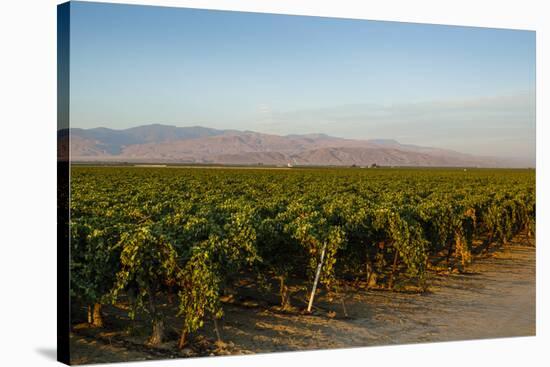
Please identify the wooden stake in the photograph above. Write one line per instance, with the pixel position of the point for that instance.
(449, 253)
(216, 329)
(394, 268)
(317, 274)
(344, 307)
(283, 291)
(371, 267)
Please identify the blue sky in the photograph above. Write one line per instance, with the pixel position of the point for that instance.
(469, 89)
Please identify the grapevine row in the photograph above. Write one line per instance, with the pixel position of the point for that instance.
(141, 234)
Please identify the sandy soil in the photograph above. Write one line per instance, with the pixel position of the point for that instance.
(494, 298)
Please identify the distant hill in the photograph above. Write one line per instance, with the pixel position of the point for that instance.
(170, 144)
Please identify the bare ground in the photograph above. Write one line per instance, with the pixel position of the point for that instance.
(494, 298)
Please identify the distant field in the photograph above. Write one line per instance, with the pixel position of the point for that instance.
(156, 242)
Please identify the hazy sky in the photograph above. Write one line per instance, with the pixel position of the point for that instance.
(468, 89)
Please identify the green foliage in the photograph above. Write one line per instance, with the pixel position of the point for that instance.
(139, 233)
(147, 260)
(199, 292)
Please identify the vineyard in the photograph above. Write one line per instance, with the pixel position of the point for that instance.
(142, 237)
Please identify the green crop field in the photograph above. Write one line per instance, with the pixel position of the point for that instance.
(140, 235)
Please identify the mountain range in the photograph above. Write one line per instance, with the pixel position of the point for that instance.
(201, 145)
